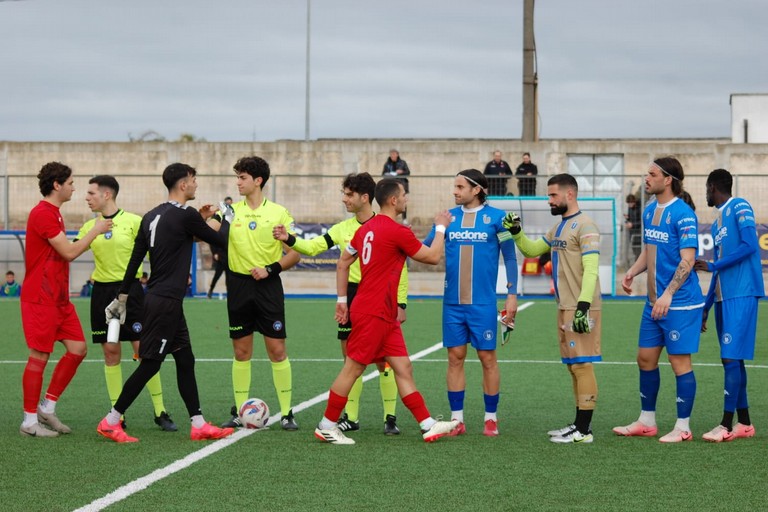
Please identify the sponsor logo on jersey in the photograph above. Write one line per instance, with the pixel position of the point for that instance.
(136, 327)
(558, 244)
(470, 236)
(721, 233)
(655, 234)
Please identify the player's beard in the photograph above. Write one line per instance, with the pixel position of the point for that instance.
(559, 209)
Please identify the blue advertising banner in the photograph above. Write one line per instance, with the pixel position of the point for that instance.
(323, 261)
(707, 242)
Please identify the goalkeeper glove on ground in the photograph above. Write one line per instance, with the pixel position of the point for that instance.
(512, 223)
(581, 318)
(117, 308)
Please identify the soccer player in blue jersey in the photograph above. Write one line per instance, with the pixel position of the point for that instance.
(736, 286)
(672, 315)
(472, 245)
(575, 245)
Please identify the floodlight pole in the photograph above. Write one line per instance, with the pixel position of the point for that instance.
(530, 78)
(306, 88)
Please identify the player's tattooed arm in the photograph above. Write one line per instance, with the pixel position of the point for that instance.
(682, 271)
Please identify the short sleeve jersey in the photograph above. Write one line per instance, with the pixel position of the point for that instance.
(381, 245)
(112, 250)
(340, 234)
(250, 236)
(47, 274)
(574, 237)
(667, 229)
(744, 279)
(167, 232)
(473, 241)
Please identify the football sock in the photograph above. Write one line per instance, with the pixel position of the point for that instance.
(334, 407)
(48, 406)
(62, 374)
(185, 379)
(29, 419)
(744, 416)
(491, 406)
(727, 421)
(586, 398)
(742, 402)
(732, 385)
(281, 376)
(583, 420)
(136, 382)
(686, 393)
(650, 381)
(456, 401)
(648, 418)
(388, 388)
(353, 400)
(32, 384)
(415, 403)
(155, 388)
(114, 377)
(241, 380)
(427, 423)
(197, 421)
(683, 424)
(113, 417)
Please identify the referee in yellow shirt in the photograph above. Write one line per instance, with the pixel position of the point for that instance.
(255, 299)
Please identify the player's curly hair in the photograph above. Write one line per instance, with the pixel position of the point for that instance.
(175, 173)
(721, 180)
(362, 183)
(255, 166)
(50, 173)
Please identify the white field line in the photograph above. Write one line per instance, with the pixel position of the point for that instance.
(142, 483)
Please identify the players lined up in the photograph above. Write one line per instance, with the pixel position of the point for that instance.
(259, 248)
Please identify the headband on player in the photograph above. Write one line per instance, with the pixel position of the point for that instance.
(471, 180)
(665, 172)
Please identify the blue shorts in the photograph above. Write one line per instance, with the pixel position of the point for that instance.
(679, 331)
(470, 323)
(736, 321)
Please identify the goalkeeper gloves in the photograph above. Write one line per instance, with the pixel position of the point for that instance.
(512, 223)
(507, 326)
(117, 308)
(581, 318)
(227, 212)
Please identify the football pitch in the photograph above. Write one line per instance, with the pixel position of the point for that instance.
(277, 470)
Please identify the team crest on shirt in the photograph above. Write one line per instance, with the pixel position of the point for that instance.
(573, 226)
(108, 235)
(486, 219)
(453, 218)
(674, 335)
(252, 225)
(277, 326)
(727, 211)
(727, 338)
(669, 218)
(136, 327)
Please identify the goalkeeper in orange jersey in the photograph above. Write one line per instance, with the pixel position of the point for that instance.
(357, 194)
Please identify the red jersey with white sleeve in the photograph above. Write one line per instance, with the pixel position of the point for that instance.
(381, 245)
(46, 280)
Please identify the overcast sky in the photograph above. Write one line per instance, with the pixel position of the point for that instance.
(234, 70)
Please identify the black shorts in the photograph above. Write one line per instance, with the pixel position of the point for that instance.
(102, 295)
(255, 306)
(165, 328)
(345, 329)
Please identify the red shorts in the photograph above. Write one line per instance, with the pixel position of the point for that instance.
(374, 338)
(44, 325)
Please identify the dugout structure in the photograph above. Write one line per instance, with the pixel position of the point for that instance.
(537, 220)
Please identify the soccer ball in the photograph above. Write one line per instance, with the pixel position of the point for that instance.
(254, 413)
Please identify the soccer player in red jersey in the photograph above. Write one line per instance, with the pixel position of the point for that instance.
(47, 314)
(382, 246)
